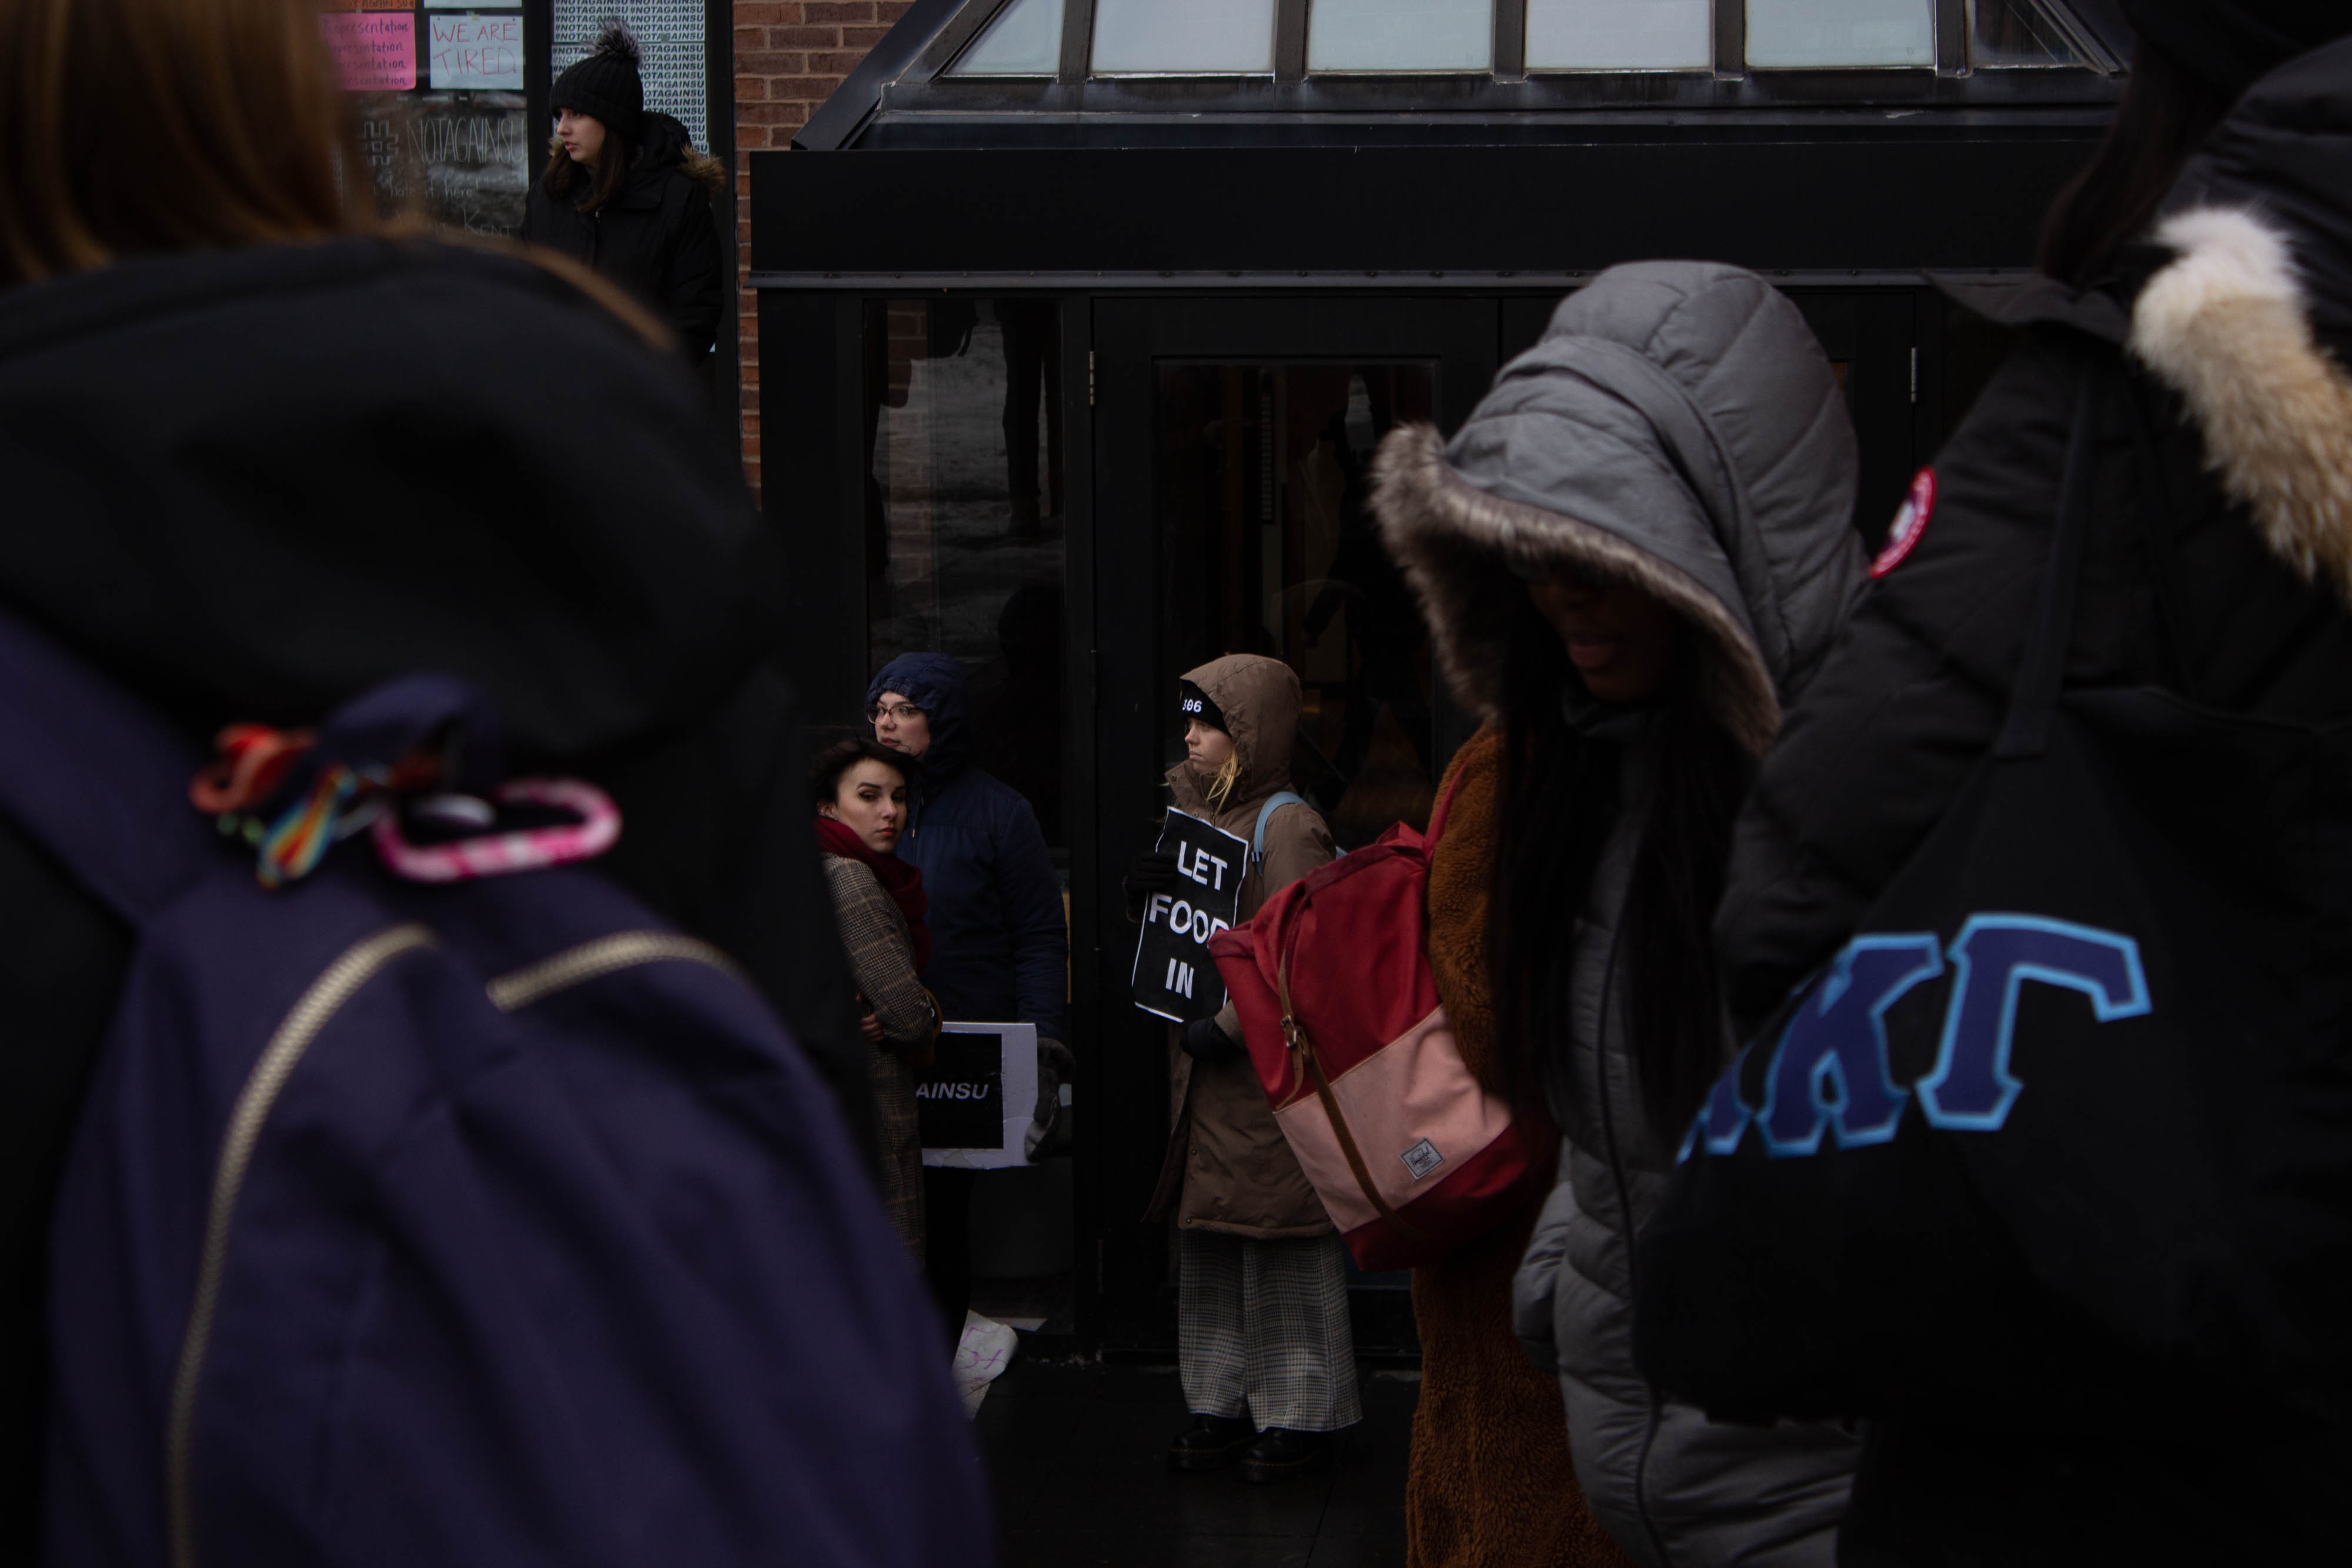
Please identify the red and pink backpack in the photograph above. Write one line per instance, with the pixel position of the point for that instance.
(1411, 1155)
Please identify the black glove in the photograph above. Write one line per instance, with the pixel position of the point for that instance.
(1152, 872)
(1204, 1041)
(1049, 1129)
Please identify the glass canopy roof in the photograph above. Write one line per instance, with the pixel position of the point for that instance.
(1400, 35)
(1609, 36)
(1239, 37)
(1023, 40)
(1210, 37)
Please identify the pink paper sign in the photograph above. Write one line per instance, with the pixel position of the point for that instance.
(373, 51)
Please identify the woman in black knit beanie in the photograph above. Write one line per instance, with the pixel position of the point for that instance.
(627, 193)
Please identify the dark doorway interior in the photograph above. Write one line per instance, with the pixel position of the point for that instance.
(1079, 495)
(1267, 546)
(1233, 443)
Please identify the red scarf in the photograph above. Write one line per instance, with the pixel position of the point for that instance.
(902, 881)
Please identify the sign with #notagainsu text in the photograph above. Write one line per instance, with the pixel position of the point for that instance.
(974, 1103)
(1174, 975)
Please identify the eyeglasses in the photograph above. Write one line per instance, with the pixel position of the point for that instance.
(902, 712)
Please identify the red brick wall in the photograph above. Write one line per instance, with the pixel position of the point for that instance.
(788, 57)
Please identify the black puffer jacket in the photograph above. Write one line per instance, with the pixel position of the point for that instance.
(2218, 566)
(658, 238)
(250, 484)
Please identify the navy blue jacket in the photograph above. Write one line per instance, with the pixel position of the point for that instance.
(1000, 948)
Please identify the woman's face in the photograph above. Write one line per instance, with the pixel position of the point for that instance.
(1206, 747)
(870, 801)
(900, 725)
(582, 135)
(1621, 640)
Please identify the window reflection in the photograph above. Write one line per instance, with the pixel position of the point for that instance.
(1832, 33)
(1025, 39)
(2007, 35)
(1400, 36)
(1268, 546)
(964, 517)
(1620, 35)
(1183, 37)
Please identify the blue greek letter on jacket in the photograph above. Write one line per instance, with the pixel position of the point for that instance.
(1830, 1068)
(1971, 1087)
(1724, 1116)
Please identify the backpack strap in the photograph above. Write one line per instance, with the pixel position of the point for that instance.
(2041, 673)
(1302, 1052)
(1274, 803)
(1444, 806)
(97, 779)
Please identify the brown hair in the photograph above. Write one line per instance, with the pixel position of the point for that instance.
(611, 176)
(137, 126)
(1562, 801)
(134, 126)
(2166, 110)
(824, 774)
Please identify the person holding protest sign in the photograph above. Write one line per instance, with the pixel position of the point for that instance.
(859, 788)
(1266, 1355)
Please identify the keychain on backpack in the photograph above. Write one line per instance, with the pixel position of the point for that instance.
(256, 764)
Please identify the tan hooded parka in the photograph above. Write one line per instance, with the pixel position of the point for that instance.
(1225, 1155)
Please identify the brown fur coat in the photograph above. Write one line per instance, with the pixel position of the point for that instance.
(1491, 1485)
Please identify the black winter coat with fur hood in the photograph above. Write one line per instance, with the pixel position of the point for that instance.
(2219, 558)
(658, 238)
(2218, 566)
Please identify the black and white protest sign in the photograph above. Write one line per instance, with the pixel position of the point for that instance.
(974, 1104)
(1174, 975)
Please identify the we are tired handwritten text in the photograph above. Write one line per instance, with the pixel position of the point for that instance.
(469, 51)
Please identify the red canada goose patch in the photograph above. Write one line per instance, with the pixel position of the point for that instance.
(1910, 523)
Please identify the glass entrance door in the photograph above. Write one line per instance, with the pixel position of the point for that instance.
(1235, 442)
(1267, 546)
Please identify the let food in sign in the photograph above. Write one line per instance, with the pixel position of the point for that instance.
(1173, 976)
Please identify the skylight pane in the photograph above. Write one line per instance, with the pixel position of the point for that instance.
(1400, 35)
(1827, 34)
(1025, 39)
(2010, 35)
(1183, 38)
(1620, 35)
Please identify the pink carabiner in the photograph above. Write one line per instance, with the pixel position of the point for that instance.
(502, 855)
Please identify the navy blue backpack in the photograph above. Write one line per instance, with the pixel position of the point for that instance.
(493, 1222)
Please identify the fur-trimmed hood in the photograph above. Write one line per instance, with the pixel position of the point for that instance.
(1678, 427)
(2249, 317)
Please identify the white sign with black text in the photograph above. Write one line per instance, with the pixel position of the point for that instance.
(1175, 977)
(976, 1102)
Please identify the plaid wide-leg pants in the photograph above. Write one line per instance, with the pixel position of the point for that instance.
(1261, 1328)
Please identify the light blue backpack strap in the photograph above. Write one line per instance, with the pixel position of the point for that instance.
(1274, 802)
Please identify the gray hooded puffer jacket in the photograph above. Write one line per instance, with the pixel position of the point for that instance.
(1679, 427)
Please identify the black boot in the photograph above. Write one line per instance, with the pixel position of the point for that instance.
(1210, 1443)
(1280, 1453)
